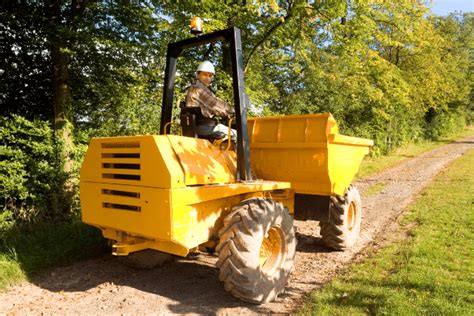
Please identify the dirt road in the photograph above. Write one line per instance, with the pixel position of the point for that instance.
(191, 286)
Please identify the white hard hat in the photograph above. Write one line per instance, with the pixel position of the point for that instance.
(207, 67)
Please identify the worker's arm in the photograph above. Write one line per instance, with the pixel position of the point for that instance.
(213, 105)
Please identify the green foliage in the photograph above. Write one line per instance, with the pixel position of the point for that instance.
(374, 164)
(115, 54)
(35, 231)
(29, 177)
(25, 72)
(442, 123)
(116, 69)
(379, 67)
(427, 273)
(387, 71)
(29, 248)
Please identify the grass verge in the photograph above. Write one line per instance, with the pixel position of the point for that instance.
(373, 165)
(30, 248)
(429, 272)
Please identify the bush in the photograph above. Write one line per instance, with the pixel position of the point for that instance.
(30, 183)
(443, 122)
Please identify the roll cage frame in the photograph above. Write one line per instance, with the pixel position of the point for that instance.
(231, 36)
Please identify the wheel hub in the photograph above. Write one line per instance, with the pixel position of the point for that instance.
(272, 250)
(351, 216)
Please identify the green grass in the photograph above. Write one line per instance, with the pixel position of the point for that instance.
(431, 271)
(30, 248)
(373, 165)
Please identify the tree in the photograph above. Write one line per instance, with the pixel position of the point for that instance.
(25, 73)
(82, 52)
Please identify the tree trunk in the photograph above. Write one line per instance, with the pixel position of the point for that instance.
(61, 103)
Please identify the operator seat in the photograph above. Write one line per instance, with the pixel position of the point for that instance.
(189, 117)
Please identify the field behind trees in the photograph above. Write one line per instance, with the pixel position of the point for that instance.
(389, 71)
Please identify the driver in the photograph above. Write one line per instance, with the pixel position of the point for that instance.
(200, 96)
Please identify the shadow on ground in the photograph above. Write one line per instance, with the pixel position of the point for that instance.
(193, 285)
(185, 285)
(311, 244)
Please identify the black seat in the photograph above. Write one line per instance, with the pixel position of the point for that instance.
(188, 122)
(188, 118)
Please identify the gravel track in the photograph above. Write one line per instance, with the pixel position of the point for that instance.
(106, 286)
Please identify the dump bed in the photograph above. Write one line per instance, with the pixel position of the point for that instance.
(306, 150)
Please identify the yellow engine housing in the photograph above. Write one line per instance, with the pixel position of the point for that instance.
(163, 192)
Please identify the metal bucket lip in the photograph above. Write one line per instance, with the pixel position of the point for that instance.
(291, 116)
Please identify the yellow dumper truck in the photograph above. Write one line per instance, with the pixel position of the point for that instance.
(174, 193)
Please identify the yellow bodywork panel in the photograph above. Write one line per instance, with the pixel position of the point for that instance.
(167, 193)
(345, 155)
(144, 213)
(306, 150)
(157, 161)
(147, 161)
(201, 162)
(197, 211)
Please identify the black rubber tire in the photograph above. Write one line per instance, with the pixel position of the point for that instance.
(241, 238)
(343, 228)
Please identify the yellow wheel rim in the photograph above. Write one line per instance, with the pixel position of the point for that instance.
(351, 216)
(272, 250)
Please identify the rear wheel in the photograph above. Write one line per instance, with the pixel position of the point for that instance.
(256, 250)
(345, 216)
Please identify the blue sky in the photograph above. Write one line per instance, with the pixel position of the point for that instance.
(443, 7)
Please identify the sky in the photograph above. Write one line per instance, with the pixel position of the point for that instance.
(444, 7)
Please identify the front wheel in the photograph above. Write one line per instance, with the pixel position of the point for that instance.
(345, 216)
(256, 250)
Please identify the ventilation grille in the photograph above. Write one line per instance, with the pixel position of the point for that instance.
(121, 161)
(121, 200)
